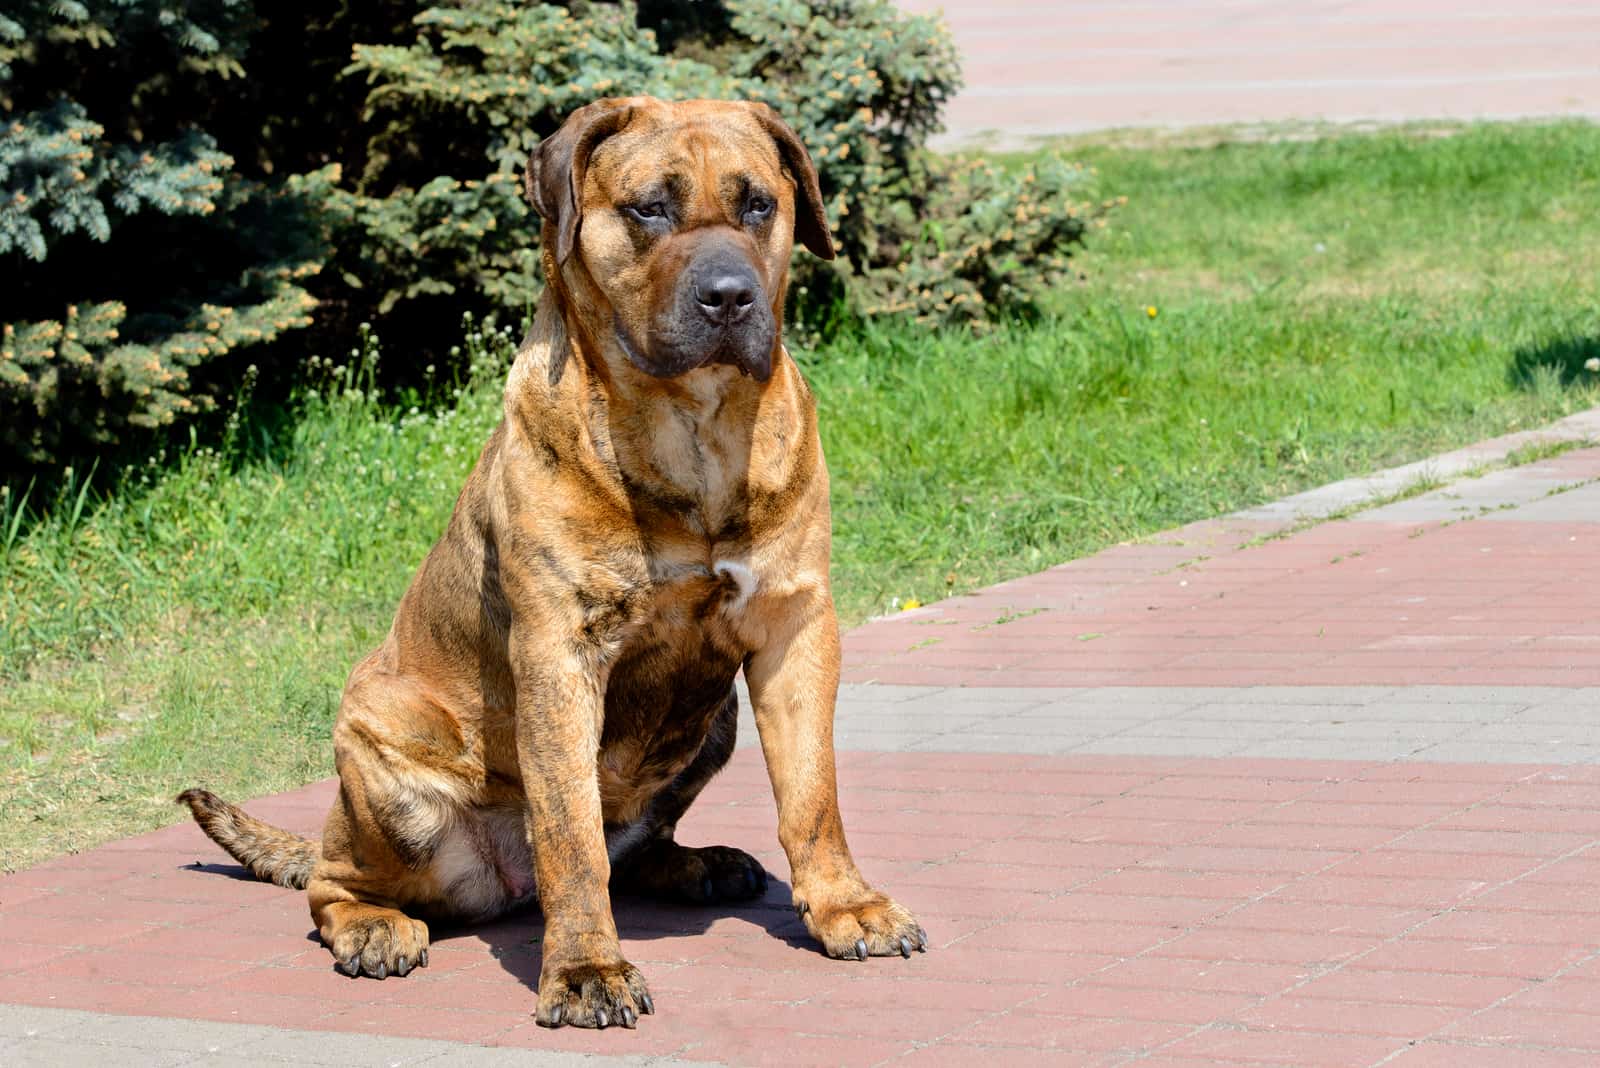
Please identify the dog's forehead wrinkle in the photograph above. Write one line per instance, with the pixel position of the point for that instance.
(739, 186)
(687, 150)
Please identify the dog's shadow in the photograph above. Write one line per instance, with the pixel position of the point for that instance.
(515, 940)
(236, 872)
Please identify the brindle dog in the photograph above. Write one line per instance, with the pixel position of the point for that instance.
(650, 516)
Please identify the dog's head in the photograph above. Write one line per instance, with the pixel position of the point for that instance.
(678, 218)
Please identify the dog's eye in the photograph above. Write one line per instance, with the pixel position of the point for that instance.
(758, 209)
(648, 212)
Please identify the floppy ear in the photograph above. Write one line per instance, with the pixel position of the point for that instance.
(810, 221)
(554, 178)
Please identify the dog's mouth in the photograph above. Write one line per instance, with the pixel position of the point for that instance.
(670, 361)
(676, 362)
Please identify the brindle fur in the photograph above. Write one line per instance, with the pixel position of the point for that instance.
(557, 686)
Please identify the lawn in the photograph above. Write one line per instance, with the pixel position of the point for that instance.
(1260, 317)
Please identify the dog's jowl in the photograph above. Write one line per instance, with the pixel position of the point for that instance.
(650, 517)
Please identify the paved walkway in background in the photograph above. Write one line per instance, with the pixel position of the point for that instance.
(1250, 792)
(1035, 67)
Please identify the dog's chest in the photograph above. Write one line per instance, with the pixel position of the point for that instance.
(674, 673)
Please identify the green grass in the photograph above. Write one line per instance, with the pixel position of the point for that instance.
(1323, 308)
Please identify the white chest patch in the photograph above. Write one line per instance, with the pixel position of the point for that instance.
(741, 576)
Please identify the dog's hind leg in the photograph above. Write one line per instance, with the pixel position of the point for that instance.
(356, 903)
(357, 907)
(658, 867)
(398, 839)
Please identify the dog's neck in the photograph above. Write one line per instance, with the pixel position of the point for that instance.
(686, 445)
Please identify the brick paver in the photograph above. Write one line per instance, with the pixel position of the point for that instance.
(1245, 793)
(1485, 582)
(1036, 68)
(1334, 906)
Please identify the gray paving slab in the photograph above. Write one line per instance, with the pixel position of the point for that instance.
(1239, 730)
(1308, 722)
(1577, 734)
(883, 742)
(61, 1053)
(914, 720)
(353, 1050)
(1461, 751)
(30, 1021)
(1377, 751)
(1275, 695)
(1522, 494)
(1536, 724)
(1529, 696)
(1272, 712)
(1422, 712)
(1067, 709)
(1583, 706)
(1136, 745)
(1040, 724)
(1028, 745)
(1367, 490)
(154, 1032)
(67, 1037)
(1579, 504)
(1376, 731)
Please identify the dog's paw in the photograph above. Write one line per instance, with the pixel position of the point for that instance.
(380, 944)
(705, 876)
(862, 925)
(592, 995)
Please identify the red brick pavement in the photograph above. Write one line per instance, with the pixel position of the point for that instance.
(1357, 602)
(1200, 911)
(1036, 68)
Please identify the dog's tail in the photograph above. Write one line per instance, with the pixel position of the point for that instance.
(271, 853)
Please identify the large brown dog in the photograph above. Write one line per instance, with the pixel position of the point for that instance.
(650, 516)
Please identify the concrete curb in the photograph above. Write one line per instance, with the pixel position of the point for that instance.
(1370, 491)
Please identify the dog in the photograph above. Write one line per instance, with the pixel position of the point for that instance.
(649, 518)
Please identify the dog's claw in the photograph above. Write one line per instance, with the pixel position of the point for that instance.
(555, 1016)
(905, 948)
(861, 949)
(381, 971)
(922, 940)
(351, 967)
(628, 1017)
(647, 1005)
(601, 1019)
(422, 959)
(401, 967)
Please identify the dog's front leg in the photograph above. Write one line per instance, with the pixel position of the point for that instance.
(584, 979)
(793, 684)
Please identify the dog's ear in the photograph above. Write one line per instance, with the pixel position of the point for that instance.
(554, 178)
(810, 220)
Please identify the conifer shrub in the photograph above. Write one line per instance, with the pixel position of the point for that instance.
(134, 253)
(187, 185)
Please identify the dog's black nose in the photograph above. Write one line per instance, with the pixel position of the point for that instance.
(725, 298)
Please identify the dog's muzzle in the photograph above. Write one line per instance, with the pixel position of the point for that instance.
(718, 313)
